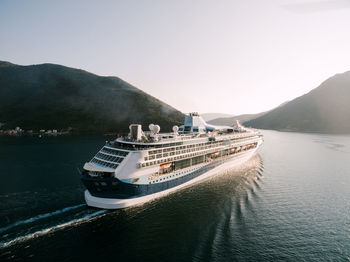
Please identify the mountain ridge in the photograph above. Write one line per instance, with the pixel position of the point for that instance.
(325, 109)
(211, 116)
(230, 121)
(54, 96)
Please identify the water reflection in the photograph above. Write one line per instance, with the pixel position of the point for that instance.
(285, 204)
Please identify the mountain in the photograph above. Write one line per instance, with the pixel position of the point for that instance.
(230, 121)
(210, 116)
(50, 96)
(325, 109)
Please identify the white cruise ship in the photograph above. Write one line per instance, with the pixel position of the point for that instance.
(147, 165)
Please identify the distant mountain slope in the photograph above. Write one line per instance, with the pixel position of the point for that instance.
(54, 96)
(210, 116)
(230, 121)
(325, 109)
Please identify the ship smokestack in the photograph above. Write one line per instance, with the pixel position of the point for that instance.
(135, 132)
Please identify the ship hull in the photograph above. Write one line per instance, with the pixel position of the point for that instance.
(197, 176)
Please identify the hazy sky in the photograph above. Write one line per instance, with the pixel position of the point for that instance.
(209, 56)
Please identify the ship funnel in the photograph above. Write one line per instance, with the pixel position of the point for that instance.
(135, 132)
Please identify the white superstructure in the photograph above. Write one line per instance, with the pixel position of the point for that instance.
(147, 165)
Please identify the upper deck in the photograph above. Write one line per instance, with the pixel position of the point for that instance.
(170, 140)
(193, 138)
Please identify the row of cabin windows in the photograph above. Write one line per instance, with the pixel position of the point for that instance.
(103, 163)
(167, 160)
(171, 176)
(128, 146)
(109, 158)
(143, 147)
(191, 148)
(197, 160)
(114, 152)
(159, 151)
(225, 152)
(212, 143)
(180, 150)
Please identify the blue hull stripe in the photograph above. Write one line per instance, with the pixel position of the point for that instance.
(114, 188)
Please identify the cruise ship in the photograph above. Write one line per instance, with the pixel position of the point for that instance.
(146, 165)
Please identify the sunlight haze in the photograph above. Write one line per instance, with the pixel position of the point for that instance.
(208, 56)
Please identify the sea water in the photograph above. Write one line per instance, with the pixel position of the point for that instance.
(290, 202)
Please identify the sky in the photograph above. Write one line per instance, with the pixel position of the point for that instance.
(228, 56)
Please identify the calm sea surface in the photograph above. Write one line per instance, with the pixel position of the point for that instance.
(290, 202)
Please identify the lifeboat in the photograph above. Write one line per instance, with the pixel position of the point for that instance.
(166, 165)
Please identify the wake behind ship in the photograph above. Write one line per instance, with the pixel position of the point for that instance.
(147, 165)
